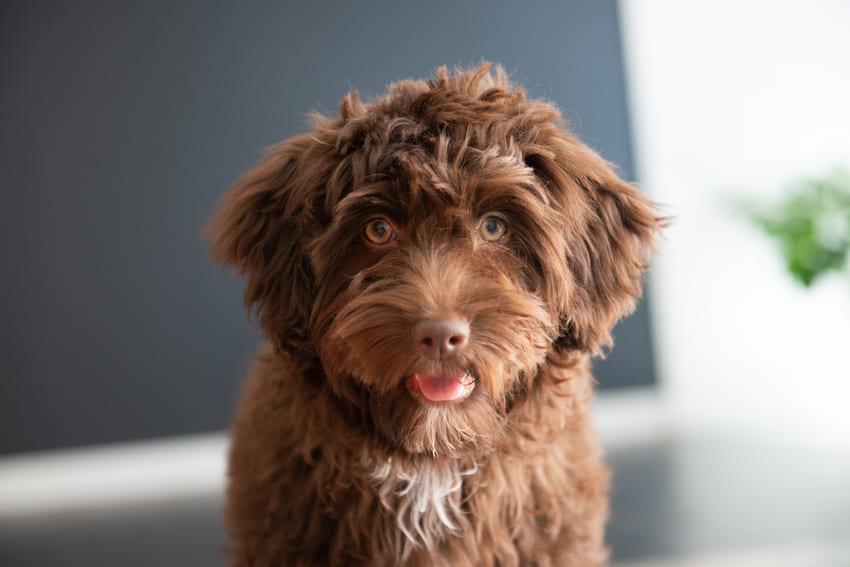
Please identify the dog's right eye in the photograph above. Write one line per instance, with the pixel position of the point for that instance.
(378, 231)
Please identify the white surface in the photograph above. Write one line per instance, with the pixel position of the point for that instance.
(733, 98)
(110, 475)
(631, 417)
(181, 467)
(789, 554)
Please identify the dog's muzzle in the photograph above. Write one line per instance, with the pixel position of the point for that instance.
(441, 340)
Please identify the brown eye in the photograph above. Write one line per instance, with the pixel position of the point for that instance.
(492, 229)
(378, 231)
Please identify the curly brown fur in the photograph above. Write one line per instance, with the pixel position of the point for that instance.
(336, 458)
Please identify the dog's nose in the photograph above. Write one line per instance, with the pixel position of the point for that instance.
(441, 338)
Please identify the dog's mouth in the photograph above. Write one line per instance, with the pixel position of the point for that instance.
(442, 388)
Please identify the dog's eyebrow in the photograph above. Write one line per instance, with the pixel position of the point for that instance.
(518, 193)
(366, 198)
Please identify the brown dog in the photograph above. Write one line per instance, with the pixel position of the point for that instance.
(433, 271)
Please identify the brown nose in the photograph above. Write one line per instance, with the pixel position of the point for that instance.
(441, 338)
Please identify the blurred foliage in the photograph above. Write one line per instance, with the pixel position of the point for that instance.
(811, 225)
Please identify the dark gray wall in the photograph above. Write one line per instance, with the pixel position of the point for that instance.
(123, 122)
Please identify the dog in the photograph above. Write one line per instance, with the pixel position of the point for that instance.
(433, 271)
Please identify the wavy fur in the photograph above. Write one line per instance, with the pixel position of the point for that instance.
(333, 461)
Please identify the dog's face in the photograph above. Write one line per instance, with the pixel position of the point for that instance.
(432, 249)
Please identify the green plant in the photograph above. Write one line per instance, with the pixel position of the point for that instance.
(811, 225)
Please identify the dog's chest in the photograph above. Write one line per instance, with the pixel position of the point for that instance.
(425, 499)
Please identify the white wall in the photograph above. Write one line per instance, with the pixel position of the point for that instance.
(738, 97)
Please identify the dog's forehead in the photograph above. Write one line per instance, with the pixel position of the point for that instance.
(446, 175)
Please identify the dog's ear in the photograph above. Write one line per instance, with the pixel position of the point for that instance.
(261, 227)
(609, 233)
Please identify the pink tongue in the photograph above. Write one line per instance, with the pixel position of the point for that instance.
(443, 387)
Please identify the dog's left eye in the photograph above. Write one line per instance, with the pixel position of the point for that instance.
(492, 229)
(378, 231)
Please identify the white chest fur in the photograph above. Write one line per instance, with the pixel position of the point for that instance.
(425, 499)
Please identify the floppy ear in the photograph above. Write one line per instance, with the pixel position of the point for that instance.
(609, 233)
(260, 228)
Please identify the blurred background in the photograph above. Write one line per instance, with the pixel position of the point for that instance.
(723, 407)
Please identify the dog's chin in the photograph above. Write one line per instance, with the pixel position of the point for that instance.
(444, 415)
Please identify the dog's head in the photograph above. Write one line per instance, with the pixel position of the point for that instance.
(432, 249)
